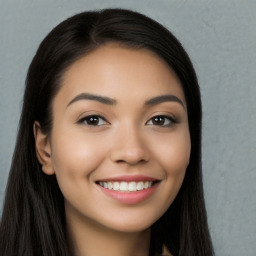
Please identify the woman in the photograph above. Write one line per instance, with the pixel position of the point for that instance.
(108, 154)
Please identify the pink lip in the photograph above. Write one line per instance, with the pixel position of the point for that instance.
(130, 197)
(130, 178)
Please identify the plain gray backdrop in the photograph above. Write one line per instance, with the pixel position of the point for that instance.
(220, 37)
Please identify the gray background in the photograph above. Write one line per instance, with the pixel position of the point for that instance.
(220, 37)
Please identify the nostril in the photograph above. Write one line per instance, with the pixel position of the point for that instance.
(131, 161)
(130, 156)
(131, 151)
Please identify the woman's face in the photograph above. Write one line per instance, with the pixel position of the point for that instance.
(120, 142)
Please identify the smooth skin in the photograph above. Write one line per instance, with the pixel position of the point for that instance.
(128, 130)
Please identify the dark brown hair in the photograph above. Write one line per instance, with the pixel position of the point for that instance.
(33, 220)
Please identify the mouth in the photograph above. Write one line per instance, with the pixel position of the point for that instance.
(129, 189)
(125, 186)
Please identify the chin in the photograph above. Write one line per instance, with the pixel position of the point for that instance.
(133, 222)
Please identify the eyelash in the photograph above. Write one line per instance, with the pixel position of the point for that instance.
(162, 118)
(87, 118)
(171, 120)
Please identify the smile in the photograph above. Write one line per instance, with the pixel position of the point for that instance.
(125, 186)
(129, 189)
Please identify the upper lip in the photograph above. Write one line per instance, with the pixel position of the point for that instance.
(130, 178)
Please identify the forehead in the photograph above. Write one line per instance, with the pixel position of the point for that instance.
(120, 72)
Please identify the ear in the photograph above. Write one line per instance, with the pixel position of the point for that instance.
(43, 149)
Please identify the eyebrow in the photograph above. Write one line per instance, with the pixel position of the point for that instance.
(109, 101)
(164, 98)
(94, 97)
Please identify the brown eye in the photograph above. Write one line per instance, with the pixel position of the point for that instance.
(158, 120)
(93, 120)
(163, 121)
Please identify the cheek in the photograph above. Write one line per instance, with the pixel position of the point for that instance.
(173, 156)
(75, 157)
(173, 153)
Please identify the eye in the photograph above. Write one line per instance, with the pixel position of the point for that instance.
(93, 120)
(163, 121)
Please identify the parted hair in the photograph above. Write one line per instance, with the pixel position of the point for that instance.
(33, 218)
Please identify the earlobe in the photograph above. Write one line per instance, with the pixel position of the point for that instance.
(43, 149)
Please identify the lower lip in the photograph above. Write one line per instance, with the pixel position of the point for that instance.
(130, 197)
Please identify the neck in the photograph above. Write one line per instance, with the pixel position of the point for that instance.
(89, 239)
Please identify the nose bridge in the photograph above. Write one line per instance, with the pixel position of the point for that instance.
(129, 145)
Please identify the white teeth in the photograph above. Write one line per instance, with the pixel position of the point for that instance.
(132, 186)
(110, 186)
(116, 186)
(123, 186)
(140, 185)
(126, 186)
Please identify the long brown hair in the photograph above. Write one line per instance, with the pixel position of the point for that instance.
(33, 220)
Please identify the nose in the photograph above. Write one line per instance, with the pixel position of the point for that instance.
(129, 146)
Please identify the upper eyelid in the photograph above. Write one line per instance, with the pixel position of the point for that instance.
(100, 115)
(91, 113)
(82, 118)
(170, 117)
(167, 115)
